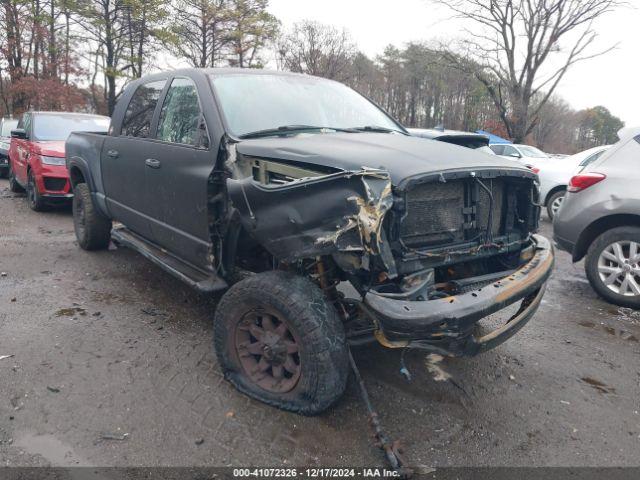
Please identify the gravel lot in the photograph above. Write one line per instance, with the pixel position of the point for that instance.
(106, 346)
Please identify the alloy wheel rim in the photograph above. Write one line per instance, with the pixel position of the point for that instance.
(619, 268)
(555, 206)
(268, 351)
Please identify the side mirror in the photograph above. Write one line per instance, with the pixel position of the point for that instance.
(515, 155)
(19, 133)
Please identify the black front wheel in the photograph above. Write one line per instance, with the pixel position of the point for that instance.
(280, 341)
(14, 186)
(36, 202)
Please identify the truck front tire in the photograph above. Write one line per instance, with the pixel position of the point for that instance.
(93, 230)
(280, 341)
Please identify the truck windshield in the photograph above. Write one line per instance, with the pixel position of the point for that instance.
(261, 102)
(49, 127)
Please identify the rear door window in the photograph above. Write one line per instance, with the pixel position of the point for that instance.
(497, 149)
(181, 119)
(139, 114)
(591, 158)
(509, 150)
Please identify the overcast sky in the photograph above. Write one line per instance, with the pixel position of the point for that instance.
(612, 80)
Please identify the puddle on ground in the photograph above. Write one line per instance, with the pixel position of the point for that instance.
(615, 332)
(50, 448)
(598, 385)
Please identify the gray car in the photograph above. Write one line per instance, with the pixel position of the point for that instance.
(6, 125)
(600, 220)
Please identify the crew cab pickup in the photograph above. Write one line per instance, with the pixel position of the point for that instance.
(281, 190)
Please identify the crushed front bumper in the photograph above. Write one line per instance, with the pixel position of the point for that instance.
(447, 325)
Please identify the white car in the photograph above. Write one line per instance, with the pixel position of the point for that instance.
(555, 173)
(524, 154)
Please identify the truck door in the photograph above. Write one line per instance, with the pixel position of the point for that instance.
(123, 161)
(178, 166)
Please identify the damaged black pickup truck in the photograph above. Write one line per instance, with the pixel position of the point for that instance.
(324, 221)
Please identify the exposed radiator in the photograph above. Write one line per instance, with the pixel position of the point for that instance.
(436, 212)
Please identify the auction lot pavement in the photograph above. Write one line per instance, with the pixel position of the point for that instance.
(113, 366)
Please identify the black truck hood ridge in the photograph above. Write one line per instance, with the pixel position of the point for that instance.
(400, 155)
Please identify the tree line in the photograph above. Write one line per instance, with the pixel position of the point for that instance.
(79, 54)
(52, 49)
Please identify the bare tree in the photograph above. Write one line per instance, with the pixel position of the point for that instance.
(521, 50)
(317, 49)
(556, 127)
(200, 29)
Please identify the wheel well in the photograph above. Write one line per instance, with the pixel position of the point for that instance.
(600, 226)
(76, 176)
(553, 191)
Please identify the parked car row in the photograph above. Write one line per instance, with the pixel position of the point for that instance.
(37, 154)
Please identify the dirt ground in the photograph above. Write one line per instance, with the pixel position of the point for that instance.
(112, 365)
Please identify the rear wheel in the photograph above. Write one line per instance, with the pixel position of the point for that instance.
(279, 341)
(36, 202)
(93, 230)
(554, 203)
(613, 266)
(14, 186)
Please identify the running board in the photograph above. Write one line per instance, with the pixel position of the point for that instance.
(204, 282)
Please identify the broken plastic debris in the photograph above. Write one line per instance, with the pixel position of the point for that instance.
(433, 366)
(2, 357)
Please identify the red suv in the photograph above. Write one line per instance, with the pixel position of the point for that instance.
(36, 154)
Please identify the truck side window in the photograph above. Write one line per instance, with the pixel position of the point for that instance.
(497, 149)
(181, 119)
(137, 119)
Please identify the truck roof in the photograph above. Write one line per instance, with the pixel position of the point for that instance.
(44, 112)
(220, 71)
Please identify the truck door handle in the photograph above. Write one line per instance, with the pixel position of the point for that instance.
(152, 162)
(113, 153)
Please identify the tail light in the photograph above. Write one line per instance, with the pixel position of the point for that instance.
(584, 180)
(535, 170)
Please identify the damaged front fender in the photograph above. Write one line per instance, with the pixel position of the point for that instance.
(322, 215)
